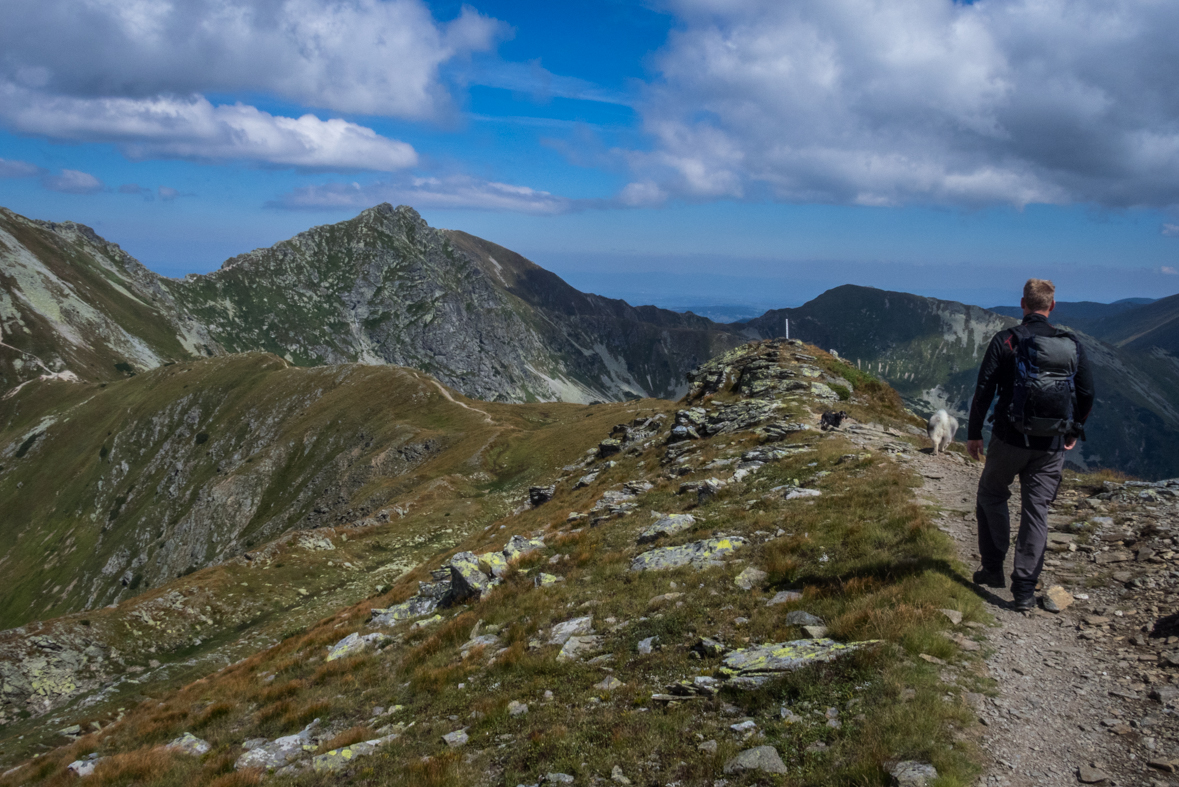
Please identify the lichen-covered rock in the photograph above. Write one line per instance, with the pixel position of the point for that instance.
(280, 751)
(569, 628)
(544, 580)
(518, 546)
(336, 759)
(609, 683)
(421, 624)
(415, 607)
(750, 667)
(479, 641)
(467, 580)
(698, 554)
(456, 739)
(493, 564)
(579, 645)
(539, 495)
(354, 644)
(749, 577)
(189, 744)
(667, 526)
(760, 758)
(609, 447)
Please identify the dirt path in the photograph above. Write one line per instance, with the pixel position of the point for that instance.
(1072, 695)
(446, 395)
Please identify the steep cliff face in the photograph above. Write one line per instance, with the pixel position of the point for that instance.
(74, 304)
(930, 351)
(619, 348)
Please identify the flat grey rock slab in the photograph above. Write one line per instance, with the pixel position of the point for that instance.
(667, 526)
(751, 667)
(698, 554)
(760, 758)
(280, 751)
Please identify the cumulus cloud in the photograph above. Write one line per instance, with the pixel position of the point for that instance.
(374, 57)
(72, 181)
(194, 128)
(1171, 230)
(167, 193)
(931, 101)
(11, 168)
(449, 192)
(1167, 269)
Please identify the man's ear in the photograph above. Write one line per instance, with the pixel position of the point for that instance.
(1023, 303)
(1051, 307)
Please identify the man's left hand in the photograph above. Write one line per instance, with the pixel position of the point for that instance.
(1070, 443)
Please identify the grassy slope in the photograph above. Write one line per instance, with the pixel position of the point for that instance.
(865, 556)
(198, 461)
(92, 272)
(1150, 325)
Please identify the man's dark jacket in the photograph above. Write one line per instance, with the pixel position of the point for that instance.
(998, 372)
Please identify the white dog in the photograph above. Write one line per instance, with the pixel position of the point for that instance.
(942, 428)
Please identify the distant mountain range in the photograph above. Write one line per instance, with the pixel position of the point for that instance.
(1082, 315)
(929, 350)
(386, 288)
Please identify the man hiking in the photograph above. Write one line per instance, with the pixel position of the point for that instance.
(1045, 394)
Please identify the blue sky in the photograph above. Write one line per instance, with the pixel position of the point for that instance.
(679, 152)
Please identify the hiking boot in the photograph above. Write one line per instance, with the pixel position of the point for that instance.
(1024, 603)
(992, 579)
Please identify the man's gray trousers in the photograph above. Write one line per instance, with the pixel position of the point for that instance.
(1039, 477)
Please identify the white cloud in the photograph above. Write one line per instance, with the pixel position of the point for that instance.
(196, 129)
(375, 57)
(1167, 269)
(642, 194)
(932, 101)
(11, 168)
(167, 193)
(1171, 229)
(450, 192)
(72, 181)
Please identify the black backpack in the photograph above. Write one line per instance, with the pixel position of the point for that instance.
(1044, 394)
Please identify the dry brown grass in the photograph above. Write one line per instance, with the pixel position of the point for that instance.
(217, 710)
(159, 725)
(330, 670)
(349, 737)
(301, 716)
(132, 768)
(220, 763)
(246, 778)
(273, 711)
(281, 692)
(431, 771)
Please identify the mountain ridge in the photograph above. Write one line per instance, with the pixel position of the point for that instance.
(930, 350)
